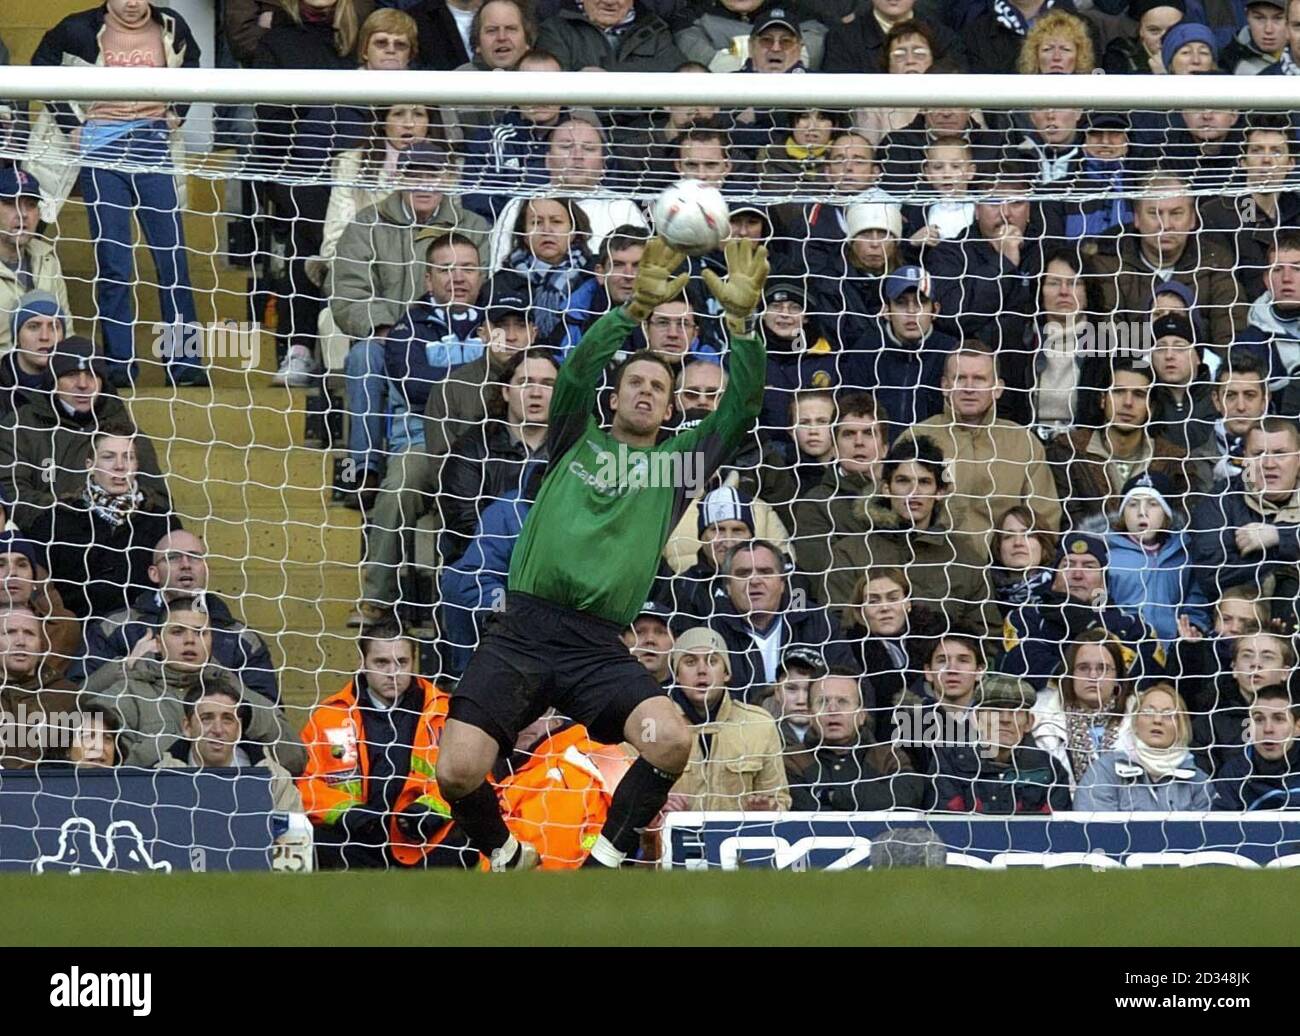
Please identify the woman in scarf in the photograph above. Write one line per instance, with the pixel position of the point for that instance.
(101, 539)
(1087, 714)
(1022, 559)
(1157, 772)
(550, 249)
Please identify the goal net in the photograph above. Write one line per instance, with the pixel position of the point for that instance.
(1013, 532)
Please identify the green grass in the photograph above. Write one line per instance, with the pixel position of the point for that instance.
(1209, 906)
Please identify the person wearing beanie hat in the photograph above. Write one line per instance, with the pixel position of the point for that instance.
(1182, 410)
(1188, 48)
(28, 262)
(24, 583)
(1150, 570)
(724, 518)
(38, 325)
(58, 425)
(650, 640)
(736, 748)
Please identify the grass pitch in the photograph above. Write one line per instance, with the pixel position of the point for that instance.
(1205, 906)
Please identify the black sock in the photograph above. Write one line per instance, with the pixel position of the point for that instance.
(479, 817)
(637, 801)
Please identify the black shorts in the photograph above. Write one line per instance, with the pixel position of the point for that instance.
(536, 654)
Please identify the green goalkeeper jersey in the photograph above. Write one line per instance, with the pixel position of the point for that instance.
(593, 538)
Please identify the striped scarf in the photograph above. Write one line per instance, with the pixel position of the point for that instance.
(115, 510)
(1082, 746)
(1009, 18)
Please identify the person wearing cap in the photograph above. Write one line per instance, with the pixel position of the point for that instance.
(24, 583)
(902, 360)
(1091, 465)
(788, 705)
(725, 517)
(45, 444)
(650, 639)
(1182, 411)
(855, 767)
(799, 354)
(611, 35)
(1158, 773)
(762, 615)
(1250, 222)
(1272, 332)
(380, 265)
(1165, 235)
(458, 407)
(1140, 53)
(735, 759)
(994, 463)
(1150, 571)
(28, 261)
(1260, 42)
(1101, 170)
(717, 34)
(38, 326)
(911, 528)
(1251, 532)
(1005, 772)
(1037, 637)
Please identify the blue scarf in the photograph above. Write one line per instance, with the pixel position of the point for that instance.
(552, 285)
(1009, 18)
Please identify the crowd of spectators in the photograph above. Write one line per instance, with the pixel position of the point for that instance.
(1018, 530)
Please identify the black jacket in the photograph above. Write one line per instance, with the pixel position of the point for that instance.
(994, 47)
(98, 567)
(479, 470)
(441, 46)
(77, 38)
(850, 780)
(809, 626)
(1188, 424)
(1248, 782)
(13, 393)
(1218, 563)
(966, 782)
(860, 45)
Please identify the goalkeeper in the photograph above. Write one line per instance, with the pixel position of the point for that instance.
(586, 558)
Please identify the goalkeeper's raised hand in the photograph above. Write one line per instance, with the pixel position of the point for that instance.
(739, 294)
(655, 283)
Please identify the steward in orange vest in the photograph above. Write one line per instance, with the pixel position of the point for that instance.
(556, 793)
(370, 786)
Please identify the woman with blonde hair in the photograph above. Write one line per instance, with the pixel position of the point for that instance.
(1157, 772)
(1058, 44)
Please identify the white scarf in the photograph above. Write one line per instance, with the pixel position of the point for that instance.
(1160, 763)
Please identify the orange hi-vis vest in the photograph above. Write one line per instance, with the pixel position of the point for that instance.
(558, 801)
(338, 765)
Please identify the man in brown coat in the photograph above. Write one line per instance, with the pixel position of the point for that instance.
(36, 710)
(1165, 242)
(993, 464)
(1092, 464)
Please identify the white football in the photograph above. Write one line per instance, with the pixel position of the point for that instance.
(692, 216)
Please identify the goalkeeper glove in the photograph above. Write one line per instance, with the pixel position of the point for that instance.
(739, 294)
(655, 283)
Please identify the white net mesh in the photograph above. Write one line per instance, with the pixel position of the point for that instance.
(1026, 411)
